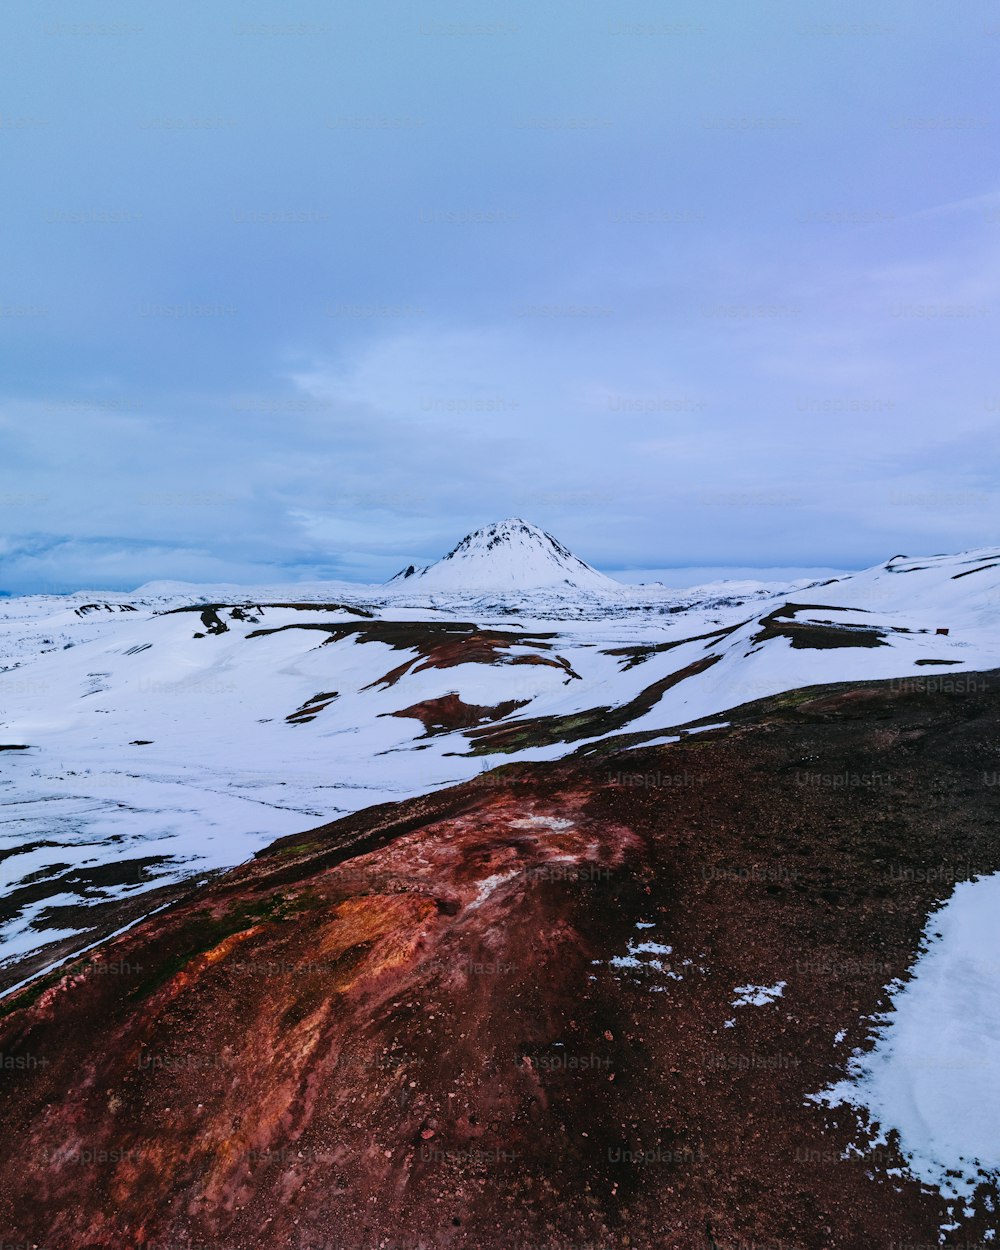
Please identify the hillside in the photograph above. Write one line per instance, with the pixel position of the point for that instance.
(578, 1003)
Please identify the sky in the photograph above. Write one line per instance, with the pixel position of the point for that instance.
(301, 290)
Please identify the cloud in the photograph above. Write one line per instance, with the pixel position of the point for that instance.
(723, 344)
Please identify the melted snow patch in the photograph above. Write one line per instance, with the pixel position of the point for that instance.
(645, 961)
(934, 1073)
(487, 886)
(555, 823)
(635, 949)
(758, 995)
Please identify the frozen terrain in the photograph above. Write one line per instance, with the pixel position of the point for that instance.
(153, 737)
(934, 1075)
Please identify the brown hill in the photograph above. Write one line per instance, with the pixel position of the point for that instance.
(497, 1017)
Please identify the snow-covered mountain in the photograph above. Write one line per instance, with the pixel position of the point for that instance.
(506, 555)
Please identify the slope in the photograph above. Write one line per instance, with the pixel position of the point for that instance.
(576, 1003)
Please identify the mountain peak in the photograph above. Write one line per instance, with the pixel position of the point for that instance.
(512, 554)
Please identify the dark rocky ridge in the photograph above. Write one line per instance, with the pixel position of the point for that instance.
(404, 1029)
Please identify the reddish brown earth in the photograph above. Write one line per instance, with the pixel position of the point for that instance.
(404, 1029)
(438, 644)
(446, 649)
(450, 712)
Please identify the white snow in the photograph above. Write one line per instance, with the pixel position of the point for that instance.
(645, 961)
(934, 1073)
(758, 995)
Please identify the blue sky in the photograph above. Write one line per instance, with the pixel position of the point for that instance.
(301, 290)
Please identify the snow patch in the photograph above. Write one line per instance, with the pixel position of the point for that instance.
(758, 995)
(487, 887)
(554, 823)
(934, 1073)
(646, 959)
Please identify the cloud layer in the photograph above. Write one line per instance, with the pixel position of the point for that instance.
(313, 298)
